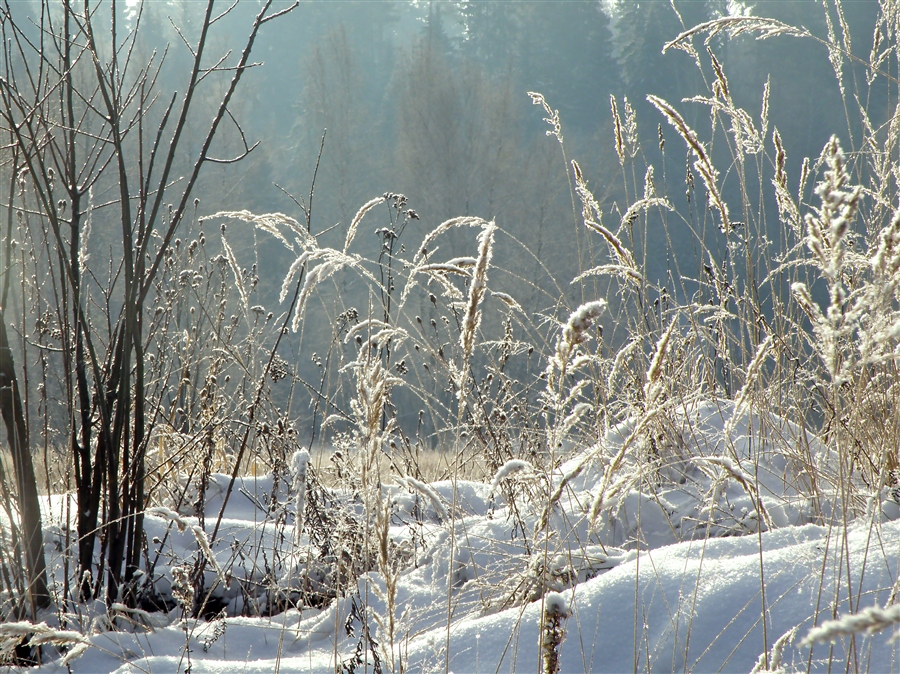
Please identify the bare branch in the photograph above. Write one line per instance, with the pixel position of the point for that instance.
(247, 148)
(224, 13)
(183, 38)
(280, 13)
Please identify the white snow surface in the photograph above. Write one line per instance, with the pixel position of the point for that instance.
(680, 573)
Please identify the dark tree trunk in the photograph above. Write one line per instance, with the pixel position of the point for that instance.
(29, 505)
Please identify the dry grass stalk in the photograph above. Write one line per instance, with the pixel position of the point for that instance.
(702, 164)
(270, 223)
(464, 221)
(199, 535)
(477, 290)
(721, 85)
(299, 470)
(552, 117)
(655, 384)
(788, 211)
(827, 227)
(603, 491)
(753, 371)
(330, 263)
(575, 332)
(736, 473)
(632, 146)
(590, 209)
(836, 51)
(772, 663)
(390, 569)
(287, 283)
(511, 467)
(354, 224)
(735, 26)
(373, 384)
(236, 271)
(419, 487)
(623, 256)
(508, 300)
(871, 620)
(620, 143)
(626, 268)
(421, 263)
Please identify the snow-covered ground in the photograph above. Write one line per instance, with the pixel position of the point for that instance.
(721, 551)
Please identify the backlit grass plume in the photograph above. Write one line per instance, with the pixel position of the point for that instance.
(703, 164)
(477, 290)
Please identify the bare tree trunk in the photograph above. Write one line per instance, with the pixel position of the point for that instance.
(29, 505)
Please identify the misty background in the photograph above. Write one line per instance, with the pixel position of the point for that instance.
(430, 100)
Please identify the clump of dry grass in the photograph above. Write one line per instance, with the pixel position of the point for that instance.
(34, 635)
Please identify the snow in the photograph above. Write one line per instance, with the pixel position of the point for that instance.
(726, 554)
(509, 468)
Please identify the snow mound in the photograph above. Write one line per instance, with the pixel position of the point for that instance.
(696, 542)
